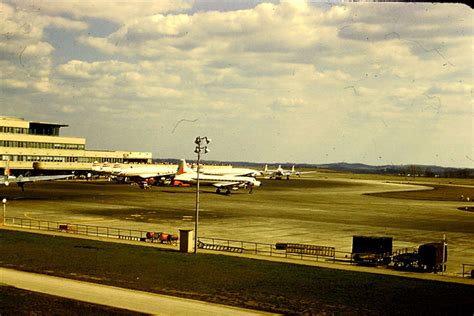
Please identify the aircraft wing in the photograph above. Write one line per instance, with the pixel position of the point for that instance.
(154, 175)
(226, 184)
(22, 179)
(304, 172)
(269, 173)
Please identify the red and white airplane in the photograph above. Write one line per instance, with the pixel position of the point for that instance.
(230, 171)
(187, 176)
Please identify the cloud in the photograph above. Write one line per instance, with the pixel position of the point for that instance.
(119, 11)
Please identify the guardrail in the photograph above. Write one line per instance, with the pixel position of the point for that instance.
(81, 229)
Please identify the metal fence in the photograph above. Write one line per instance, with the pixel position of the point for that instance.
(302, 252)
(81, 229)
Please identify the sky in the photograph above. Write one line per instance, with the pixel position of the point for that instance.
(290, 81)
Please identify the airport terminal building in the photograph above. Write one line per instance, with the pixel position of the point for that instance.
(38, 146)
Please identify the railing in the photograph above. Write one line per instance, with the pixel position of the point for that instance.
(305, 252)
(81, 229)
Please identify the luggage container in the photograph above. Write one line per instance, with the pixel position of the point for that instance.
(372, 250)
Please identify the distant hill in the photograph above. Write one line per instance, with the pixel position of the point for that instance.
(411, 170)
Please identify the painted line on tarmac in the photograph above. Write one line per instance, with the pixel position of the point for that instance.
(29, 217)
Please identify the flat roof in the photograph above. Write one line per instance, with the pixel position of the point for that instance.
(50, 124)
(13, 118)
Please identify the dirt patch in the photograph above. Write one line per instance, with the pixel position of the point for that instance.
(466, 208)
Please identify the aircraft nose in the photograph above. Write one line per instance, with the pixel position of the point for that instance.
(257, 183)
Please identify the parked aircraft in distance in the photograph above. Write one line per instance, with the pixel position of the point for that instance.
(6, 179)
(186, 176)
(145, 175)
(279, 173)
(230, 171)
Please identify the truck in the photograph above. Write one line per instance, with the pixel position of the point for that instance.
(432, 256)
(429, 257)
(371, 250)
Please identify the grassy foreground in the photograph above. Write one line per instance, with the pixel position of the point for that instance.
(278, 287)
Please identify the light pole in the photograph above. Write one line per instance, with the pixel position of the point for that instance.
(4, 201)
(201, 147)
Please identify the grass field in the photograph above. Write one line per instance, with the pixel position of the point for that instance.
(277, 287)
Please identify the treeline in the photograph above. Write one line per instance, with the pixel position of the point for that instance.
(416, 170)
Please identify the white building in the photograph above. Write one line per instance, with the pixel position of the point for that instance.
(38, 146)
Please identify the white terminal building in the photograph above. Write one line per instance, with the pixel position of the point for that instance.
(37, 146)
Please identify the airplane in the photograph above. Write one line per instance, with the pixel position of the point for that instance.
(145, 175)
(279, 173)
(187, 176)
(230, 171)
(6, 179)
(104, 168)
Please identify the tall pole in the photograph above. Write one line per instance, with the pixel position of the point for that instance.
(198, 151)
(445, 245)
(197, 204)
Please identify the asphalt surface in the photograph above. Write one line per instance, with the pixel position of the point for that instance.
(318, 211)
(138, 301)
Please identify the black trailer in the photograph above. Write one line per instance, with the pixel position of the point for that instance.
(371, 250)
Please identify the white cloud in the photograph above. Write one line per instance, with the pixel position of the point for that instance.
(114, 10)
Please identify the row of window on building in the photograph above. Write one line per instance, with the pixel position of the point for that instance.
(20, 144)
(14, 130)
(60, 159)
(35, 130)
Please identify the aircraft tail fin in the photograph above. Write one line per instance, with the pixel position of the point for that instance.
(293, 169)
(7, 168)
(266, 168)
(183, 167)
